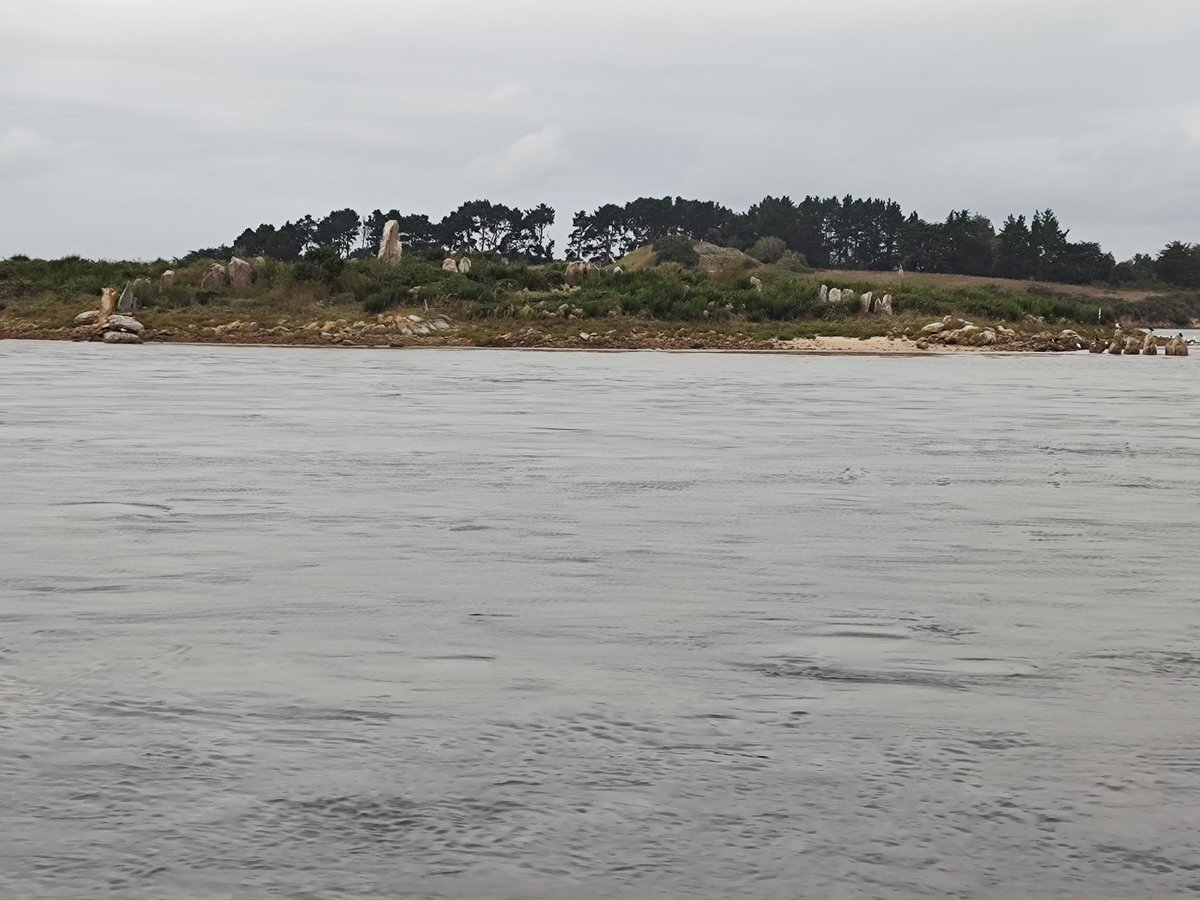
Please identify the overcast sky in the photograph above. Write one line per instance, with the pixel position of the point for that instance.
(144, 128)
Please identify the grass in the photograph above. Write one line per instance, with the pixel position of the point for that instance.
(717, 297)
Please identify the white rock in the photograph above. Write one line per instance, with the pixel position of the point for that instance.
(883, 305)
(835, 295)
(756, 283)
(167, 278)
(390, 247)
(121, 337)
(449, 265)
(464, 265)
(124, 323)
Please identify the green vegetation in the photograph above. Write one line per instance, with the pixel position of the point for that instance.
(695, 286)
(847, 233)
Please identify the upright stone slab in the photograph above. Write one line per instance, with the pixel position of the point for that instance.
(464, 265)
(823, 294)
(390, 247)
(108, 303)
(883, 305)
(835, 295)
(867, 300)
(167, 279)
(213, 278)
(127, 300)
(240, 273)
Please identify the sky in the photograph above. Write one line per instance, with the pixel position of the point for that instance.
(142, 129)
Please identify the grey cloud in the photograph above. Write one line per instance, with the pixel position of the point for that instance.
(180, 125)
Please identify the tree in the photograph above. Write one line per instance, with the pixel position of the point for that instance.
(1015, 254)
(1179, 264)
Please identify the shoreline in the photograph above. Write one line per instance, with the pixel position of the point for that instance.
(940, 352)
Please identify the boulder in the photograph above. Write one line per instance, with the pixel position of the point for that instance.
(213, 277)
(1176, 346)
(934, 328)
(823, 294)
(240, 273)
(91, 317)
(883, 306)
(835, 295)
(1097, 346)
(108, 303)
(1133, 346)
(390, 247)
(124, 323)
(464, 265)
(167, 278)
(579, 271)
(1150, 346)
(1069, 340)
(617, 270)
(985, 338)
(121, 337)
(868, 300)
(1117, 347)
(756, 283)
(449, 265)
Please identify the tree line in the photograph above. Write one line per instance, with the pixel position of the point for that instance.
(828, 232)
(478, 226)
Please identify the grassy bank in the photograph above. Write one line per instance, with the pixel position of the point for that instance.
(726, 299)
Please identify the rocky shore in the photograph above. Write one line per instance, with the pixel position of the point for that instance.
(567, 329)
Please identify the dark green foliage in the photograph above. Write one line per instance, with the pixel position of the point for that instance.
(320, 264)
(768, 249)
(676, 248)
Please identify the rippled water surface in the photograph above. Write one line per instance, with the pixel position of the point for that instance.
(338, 624)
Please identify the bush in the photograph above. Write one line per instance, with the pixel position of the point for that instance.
(768, 250)
(677, 249)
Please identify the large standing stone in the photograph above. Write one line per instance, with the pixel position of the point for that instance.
(867, 300)
(1150, 346)
(213, 278)
(580, 271)
(241, 273)
(167, 279)
(835, 295)
(1133, 346)
(823, 294)
(464, 265)
(390, 247)
(1117, 347)
(135, 292)
(756, 283)
(1176, 346)
(449, 265)
(883, 305)
(108, 303)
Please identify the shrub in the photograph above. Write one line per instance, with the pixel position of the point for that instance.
(676, 248)
(768, 249)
